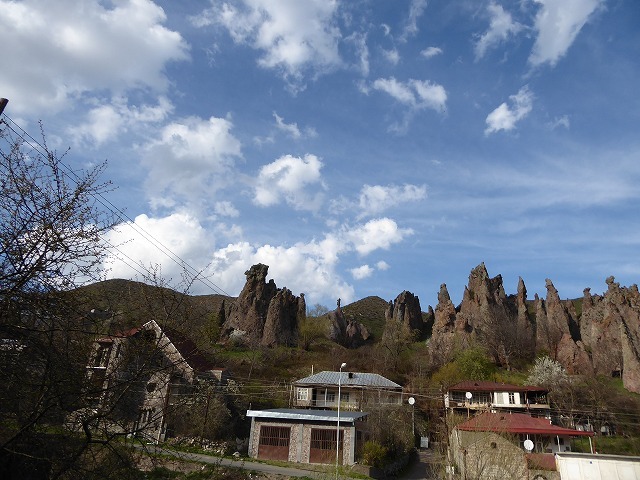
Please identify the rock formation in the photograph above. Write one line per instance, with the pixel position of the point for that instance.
(600, 334)
(347, 332)
(405, 312)
(263, 314)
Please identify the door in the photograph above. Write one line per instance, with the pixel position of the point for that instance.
(323, 446)
(274, 443)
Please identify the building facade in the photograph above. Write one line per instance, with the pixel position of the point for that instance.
(307, 436)
(141, 374)
(357, 389)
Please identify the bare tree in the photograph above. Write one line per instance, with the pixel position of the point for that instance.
(52, 223)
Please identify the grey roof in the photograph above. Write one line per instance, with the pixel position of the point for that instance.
(348, 379)
(309, 415)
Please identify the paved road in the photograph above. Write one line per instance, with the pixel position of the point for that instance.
(426, 467)
(255, 466)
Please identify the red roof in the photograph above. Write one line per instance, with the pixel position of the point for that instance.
(484, 386)
(516, 423)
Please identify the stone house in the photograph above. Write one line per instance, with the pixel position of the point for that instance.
(357, 389)
(149, 370)
(509, 445)
(473, 396)
(306, 436)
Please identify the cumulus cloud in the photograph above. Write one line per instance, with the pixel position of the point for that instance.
(293, 36)
(190, 160)
(374, 199)
(505, 117)
(226, 209)
(558, 23)
(382, 265)
(95, 47)
(288, 178)
(310, 267)
(417, 94)
(377, 234)
(501, 27)
(361, 272)
(105, 122)
(143, 244)
(431, 52)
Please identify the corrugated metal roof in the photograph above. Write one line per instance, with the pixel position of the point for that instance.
(516, 423)
(348, 379)
(308, 415)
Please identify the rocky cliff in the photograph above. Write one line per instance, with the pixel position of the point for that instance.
(595, 334)
(347, 332)
(263, 314)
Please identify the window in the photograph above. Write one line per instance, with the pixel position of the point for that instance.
(344, 397)
(512, 398)
(331, 397)
(102, 355)
(482, 397)
(302, 394)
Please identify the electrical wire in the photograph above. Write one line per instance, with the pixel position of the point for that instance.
(193, 273)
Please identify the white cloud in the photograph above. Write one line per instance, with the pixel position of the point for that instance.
(226, 209)
(359, 42)
(361, 272)
(505, 117)
(431, 52)
(391, 56)
(136, 255)
(56, 57)
(382, 265)
(292, 128)
(105, 122)
(500, 28)
(377, 198)
(417, 94)
(376, 234)
(416, 10)
(558, 22)
(562, 121)
(287, 179)
(291, 35)
(190, 160)
(309, 268)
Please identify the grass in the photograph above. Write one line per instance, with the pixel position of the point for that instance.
(613, 445)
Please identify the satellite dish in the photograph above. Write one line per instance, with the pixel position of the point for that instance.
(528, 445)
(468, 395)
(411, 400)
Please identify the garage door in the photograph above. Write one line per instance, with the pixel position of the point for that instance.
(274, 443)
(323, 446)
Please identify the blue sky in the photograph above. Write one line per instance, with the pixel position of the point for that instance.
(356, 147)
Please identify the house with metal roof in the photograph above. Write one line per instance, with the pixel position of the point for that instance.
(357, 389)
(472, 396)
(307, 436)
(509, 445)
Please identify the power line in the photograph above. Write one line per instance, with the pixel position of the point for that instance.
(121, 216)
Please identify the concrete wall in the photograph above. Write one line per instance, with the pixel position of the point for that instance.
(578, 466)
(300, 439)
